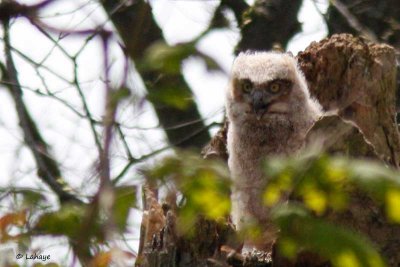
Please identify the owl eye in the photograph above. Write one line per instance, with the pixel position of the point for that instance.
(247, 86)
(275, 88)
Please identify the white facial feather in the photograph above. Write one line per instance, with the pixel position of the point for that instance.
(254, 65)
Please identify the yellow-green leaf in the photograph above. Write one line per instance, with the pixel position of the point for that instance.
(393, 204)
(271, 195)
(315, 199)
(346, 258)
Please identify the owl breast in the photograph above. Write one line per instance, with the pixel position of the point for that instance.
(248, 146)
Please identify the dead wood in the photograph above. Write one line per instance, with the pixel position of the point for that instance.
(357, 80)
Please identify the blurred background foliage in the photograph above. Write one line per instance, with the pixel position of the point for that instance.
(322, 184)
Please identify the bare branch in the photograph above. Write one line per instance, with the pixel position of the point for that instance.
(48, 168)
(10, 9)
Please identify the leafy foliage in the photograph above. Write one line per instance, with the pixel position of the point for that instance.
(166, 61)
(326, 184)
(125, 199)
(300, 230)
(62, 222)
(322, 183)
(204, 186)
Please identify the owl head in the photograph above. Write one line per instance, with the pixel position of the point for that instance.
(265, 85)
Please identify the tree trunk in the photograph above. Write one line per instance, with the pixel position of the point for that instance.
(135, 23)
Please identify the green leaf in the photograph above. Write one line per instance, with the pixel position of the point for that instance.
(118, 95)
(393, 204)
(207, 195)
(374, 177)
(272, 195)
(125, 199)
(50, 264)
(171, 93)
(315, 199)
(324, 182)
(30, 198)
(165, 58)
(341, 246)
(65, 221)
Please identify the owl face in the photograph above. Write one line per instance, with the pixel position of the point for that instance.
(263, 98)
(264, 85)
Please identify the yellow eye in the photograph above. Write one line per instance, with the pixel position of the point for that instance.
(275, 88)
(247, 86)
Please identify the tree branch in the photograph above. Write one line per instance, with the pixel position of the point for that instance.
(353, 21)
(11, 9)
(48, 168)
(238, 7)
(268, 23)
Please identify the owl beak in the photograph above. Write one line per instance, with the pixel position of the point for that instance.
(260, 113)
(259, 106)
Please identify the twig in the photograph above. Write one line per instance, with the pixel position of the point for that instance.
(134, 161)
(36, 64)
(86, 109)
(124, 142)
(76, 80)
(48, 168)
(109, 118)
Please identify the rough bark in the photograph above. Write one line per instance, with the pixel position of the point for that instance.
(162, 245)
(138, 30)
(358, 80)
(373, 19)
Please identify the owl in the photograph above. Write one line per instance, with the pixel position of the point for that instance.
(270, 110)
